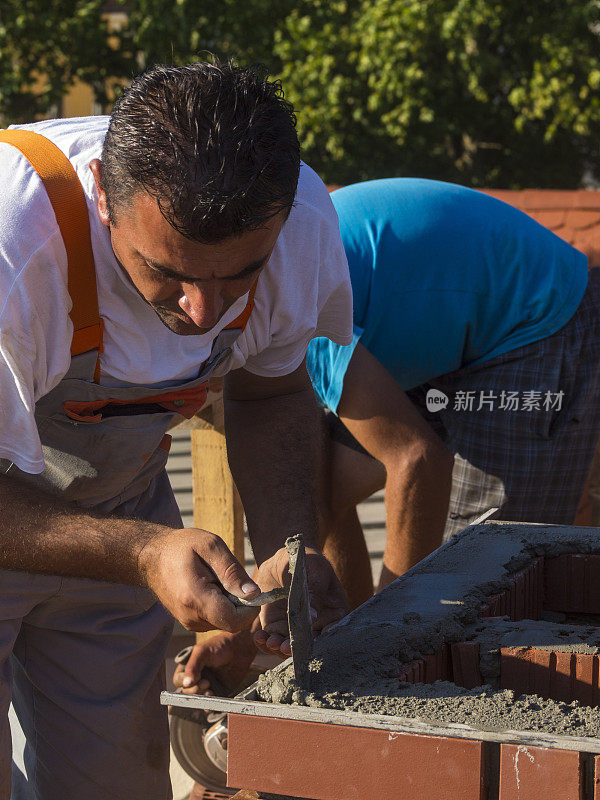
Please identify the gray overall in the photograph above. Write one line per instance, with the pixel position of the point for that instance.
(83, 659)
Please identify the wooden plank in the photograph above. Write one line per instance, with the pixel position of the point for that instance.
(217, 504)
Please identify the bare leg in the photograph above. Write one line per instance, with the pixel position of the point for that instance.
(345, 547)
(347, 477)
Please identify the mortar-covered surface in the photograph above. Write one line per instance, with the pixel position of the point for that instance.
(356, 664)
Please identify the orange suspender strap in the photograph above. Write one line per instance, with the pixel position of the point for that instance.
(241, 321)
(68, 201)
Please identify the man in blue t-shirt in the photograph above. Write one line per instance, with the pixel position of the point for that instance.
(473, 380)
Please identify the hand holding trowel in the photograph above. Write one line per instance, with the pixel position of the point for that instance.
(298, 608)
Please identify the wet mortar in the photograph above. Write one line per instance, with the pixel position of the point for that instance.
(356, 664)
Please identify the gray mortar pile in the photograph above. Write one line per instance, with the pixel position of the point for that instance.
(356, 663)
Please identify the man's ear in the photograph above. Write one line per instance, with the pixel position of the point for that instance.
(96, 168)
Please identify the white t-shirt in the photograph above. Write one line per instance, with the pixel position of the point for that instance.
(303, 291)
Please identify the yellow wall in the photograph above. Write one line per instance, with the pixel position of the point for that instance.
(79, 102)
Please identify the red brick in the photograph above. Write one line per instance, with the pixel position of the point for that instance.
(560, 676)
(541, 661)
(533, 773)
(518, 596)
(413, 672)
(573, 584)
(522, 600)
(515, 669)
(432, 667)
(490, 607)
(437, 666)
(561, 685)
(538, 606)
(330, 762)
(465, 664)
(586, 679)
(592, 583)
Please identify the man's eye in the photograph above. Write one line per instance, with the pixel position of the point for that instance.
(158, 274)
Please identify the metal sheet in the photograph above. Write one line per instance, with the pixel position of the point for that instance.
(247, 703)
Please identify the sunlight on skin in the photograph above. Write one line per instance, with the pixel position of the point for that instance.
(189, 284)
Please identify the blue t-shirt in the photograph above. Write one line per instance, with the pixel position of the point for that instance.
(443, 277)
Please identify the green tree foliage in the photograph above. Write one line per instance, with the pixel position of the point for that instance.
(45, 46)
(498, 93)
(485, 92)
(180, 31)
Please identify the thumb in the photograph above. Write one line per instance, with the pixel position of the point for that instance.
(194, 666)
(230, 573)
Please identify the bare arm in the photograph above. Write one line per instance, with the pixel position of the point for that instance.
(272, 430)
(185, 568)
(417, 463)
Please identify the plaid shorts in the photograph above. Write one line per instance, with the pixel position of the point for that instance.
(523, 426)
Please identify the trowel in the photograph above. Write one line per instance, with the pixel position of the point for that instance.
(199, 738)
(298, 609)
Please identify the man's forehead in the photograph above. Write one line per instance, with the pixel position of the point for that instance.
(158, 243)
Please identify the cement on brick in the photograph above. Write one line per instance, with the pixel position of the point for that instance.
(356, 664)
(559, 638)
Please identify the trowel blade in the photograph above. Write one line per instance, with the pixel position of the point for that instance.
(299, 618)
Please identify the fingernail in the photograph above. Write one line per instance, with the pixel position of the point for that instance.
(187, 681)
(247, 588)
(314, 614)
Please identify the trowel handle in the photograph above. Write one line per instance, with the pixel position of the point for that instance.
(280, 593)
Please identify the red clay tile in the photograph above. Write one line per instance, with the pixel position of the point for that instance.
(572, 215)
(330, 762)
(547, 199)
(553, 219)
(533, 773)
(582, 219)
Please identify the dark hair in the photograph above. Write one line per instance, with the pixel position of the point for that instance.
(216, 145)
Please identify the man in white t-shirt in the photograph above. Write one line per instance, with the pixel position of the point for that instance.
(217, 253)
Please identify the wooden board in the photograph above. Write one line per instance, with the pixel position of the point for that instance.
(217, 504)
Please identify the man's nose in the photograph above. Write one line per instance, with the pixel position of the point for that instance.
(202, 303)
